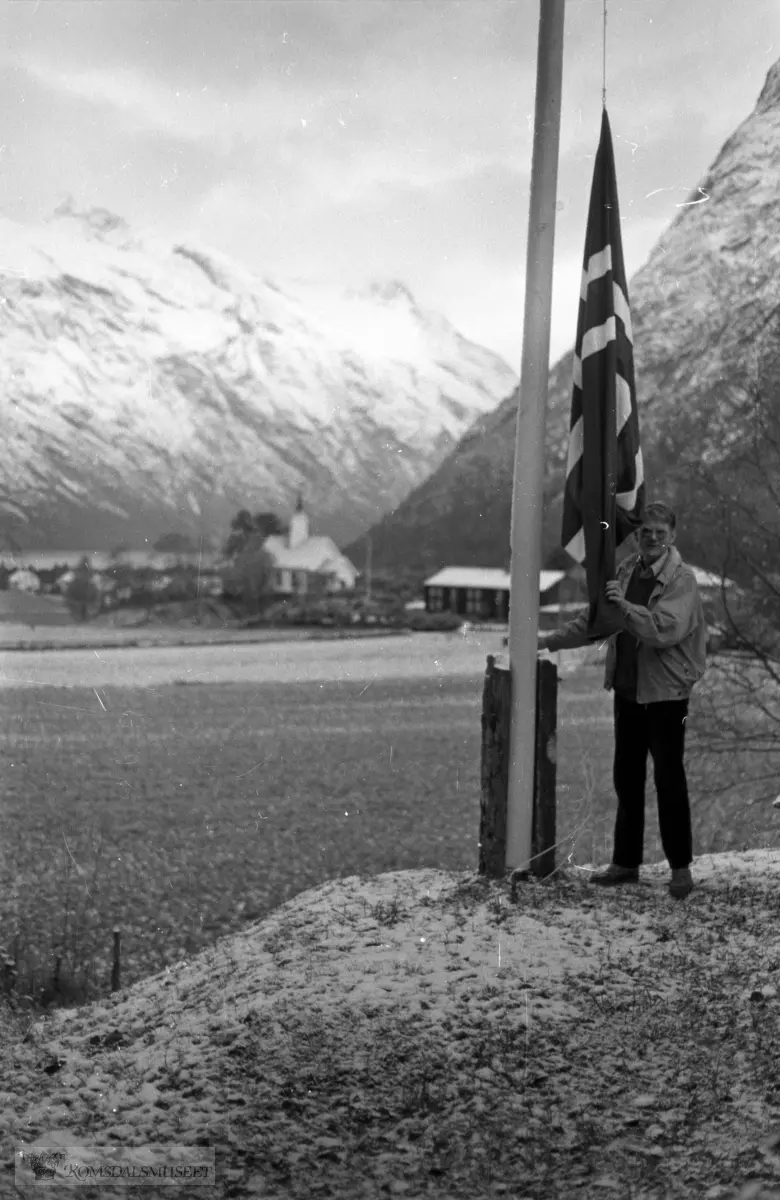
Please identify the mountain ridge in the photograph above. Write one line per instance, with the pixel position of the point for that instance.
(155, 384)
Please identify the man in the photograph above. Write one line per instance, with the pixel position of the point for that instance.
(654, 658)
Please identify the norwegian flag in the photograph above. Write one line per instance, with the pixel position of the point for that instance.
(605, 493)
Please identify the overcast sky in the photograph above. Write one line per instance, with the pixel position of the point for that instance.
(363, 140)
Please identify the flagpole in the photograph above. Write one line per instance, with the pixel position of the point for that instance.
(526, 532)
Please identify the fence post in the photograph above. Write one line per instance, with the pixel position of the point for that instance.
(496, 716)
(543, 836)
(115, 967)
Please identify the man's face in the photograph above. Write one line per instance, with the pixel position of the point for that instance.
(655, 537)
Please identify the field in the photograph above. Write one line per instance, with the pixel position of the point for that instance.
(179, 812)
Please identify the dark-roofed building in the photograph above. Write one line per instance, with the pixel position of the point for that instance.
(482, 593)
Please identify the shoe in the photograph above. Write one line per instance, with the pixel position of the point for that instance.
(614, 875)
(681, 883)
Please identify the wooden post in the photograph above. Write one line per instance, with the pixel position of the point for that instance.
(115, 969)
(496, 710)
(496, 716)
(543, 862)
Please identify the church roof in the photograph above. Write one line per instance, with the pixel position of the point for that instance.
(315, 554)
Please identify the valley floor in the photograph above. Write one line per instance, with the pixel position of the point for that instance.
(415, 1032)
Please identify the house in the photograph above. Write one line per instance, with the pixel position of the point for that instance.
(24, 580)
(482, 592)
(712, 596)
(105, 585)
(709, 583)
(167, 566)
(306, 565)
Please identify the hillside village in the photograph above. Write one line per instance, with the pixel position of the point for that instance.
(307, 580)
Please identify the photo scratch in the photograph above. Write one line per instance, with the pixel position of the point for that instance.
(680, 188)
(79, 870)
(251, 769)
(688, 203)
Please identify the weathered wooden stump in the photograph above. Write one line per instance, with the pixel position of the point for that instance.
(545, 761)
(496, 711)
(496, 715)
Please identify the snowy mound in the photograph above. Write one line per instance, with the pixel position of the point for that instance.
(284, 1041)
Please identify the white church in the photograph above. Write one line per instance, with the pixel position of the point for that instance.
(306, 565)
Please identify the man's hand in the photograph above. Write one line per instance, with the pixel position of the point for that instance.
(613, 591)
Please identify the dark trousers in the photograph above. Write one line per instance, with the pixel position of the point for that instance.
(660, 729)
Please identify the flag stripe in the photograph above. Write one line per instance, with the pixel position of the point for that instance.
(604, 493)
(596, 338)
(622, 310)
(601, 306)
(598, 265)
(623, 401)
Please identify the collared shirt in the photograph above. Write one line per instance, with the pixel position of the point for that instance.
(656, 567)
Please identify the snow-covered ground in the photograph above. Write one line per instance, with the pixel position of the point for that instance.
(294, 1009)
(408, 656)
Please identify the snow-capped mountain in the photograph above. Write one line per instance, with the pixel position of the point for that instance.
(150, 385)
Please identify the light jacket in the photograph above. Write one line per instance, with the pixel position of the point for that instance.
(671, 632)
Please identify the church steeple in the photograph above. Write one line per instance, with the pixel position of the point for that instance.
(299, 525)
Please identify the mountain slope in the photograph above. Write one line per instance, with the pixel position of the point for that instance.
(706, 319)
(149, 386)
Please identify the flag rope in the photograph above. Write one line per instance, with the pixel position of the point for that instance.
(604, 59)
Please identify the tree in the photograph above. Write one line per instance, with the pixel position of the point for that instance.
(734, 500)
(248, 579)
(244, 526)
(267, 524)
(82, 594)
